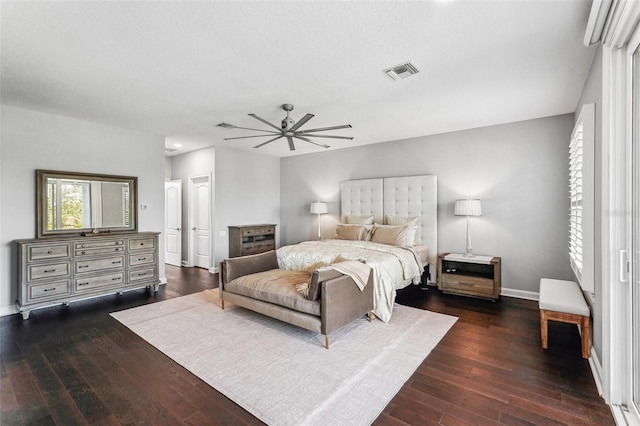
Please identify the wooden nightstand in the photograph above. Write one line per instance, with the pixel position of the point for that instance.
(477, 276)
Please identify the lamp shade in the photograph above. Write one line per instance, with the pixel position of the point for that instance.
(467, 208)
(319, 208)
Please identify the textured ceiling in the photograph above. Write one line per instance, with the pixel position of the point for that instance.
(179, 68)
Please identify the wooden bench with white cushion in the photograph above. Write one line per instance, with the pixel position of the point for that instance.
(563, 301)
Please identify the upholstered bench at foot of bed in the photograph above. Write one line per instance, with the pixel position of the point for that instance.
(334, 300)
(563, 301)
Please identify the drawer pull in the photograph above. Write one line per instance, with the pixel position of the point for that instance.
(115, 262)
(50, 252)
(142, 274)
(84, 252)
(115, 279)
(49, 270)
(466, 284)
(79, 284)
(83, 266)
(49, 289)
(142, 258)
(118, 249)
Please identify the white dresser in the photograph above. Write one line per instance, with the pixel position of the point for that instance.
(60, 270)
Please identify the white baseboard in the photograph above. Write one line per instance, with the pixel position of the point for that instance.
(8, 310)
(163, 280)
(596, 369)
(214, 270)
(185, 264)
(520, 294)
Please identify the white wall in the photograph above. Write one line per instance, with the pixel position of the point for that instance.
(518, 170)
(33, 140)
(247, 188)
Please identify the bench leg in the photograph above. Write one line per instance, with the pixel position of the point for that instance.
(326, 341)
(586, 338)
(544, 334)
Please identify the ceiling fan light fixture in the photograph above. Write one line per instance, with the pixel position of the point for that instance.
(289, 129)
(402, 71)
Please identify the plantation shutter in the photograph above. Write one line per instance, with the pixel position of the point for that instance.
(575, 198)
(582, 198)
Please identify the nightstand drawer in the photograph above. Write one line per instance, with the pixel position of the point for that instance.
(466, 283)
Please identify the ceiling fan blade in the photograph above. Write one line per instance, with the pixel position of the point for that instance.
(329, 136)
(266, 122)
(246, 137)
(292, 147)
(233, 126)
(302, 138)
(303, 120)
(344, 126)
(269, 141)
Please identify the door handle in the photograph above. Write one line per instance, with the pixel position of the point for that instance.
(624, 265)
(193, 229)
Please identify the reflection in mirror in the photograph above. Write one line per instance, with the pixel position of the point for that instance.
(74, 203)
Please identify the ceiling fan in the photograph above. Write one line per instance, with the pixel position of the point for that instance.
(289, 129)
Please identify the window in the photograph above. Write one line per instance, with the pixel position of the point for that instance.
(581, 197)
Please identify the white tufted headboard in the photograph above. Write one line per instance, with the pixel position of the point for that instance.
(415, 196)
(361, 198)
(402, 196)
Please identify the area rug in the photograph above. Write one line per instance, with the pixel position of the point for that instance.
(282, 374)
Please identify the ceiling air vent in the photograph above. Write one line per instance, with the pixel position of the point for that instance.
(402, 71)
(169, 150)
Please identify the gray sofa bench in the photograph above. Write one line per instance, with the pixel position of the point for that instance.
(333, 300)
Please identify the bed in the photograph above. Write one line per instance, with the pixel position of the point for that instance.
(387, 202)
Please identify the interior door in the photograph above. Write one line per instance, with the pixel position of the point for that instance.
(173, 222)
(201, 208)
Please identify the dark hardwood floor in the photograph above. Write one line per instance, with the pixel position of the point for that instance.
(77, 365)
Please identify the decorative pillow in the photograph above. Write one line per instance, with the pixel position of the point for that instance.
(410, 221)
(359, 220)
(346, 231)
(395, 235)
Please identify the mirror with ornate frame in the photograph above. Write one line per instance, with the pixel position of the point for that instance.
(70, 203)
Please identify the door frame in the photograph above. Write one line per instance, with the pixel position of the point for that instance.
(191, 237)
(616, 225)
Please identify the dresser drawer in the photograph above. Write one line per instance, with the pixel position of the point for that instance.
(142, 244)
(49, 251)
(92, 283)
(265, 230)
(98, 244)
(142, 258)
(98, 247)
(464, 283)
(100, 250)
(261, 246)
(142, 274)
(36, 292)
(247, 232)
(50, 270)
(92, 265)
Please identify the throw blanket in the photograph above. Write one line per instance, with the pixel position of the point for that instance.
(393, 267)
(357, 270)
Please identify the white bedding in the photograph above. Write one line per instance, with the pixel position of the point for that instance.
(393, 267)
